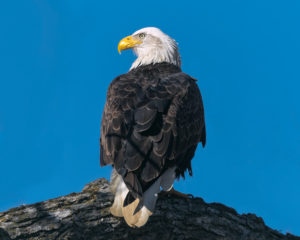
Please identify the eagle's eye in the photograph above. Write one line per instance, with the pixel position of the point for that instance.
(142, 35)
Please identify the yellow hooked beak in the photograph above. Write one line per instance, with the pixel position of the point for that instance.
(127, 42)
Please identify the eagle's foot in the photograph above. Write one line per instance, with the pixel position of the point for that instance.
(176, 194)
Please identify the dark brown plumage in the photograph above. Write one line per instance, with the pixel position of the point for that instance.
(153, 119)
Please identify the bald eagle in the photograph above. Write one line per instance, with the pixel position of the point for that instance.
(152, 122)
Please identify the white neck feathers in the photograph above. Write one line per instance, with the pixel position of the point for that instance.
(157, 47)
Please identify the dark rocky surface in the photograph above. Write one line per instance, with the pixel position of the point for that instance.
(85, 215)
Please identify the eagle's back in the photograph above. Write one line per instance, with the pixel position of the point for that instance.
(153, 120)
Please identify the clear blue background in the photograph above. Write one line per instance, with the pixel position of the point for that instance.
(57, 59)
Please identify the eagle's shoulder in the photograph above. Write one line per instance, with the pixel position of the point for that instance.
(180, 84)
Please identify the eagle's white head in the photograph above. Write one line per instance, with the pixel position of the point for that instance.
(151, 46)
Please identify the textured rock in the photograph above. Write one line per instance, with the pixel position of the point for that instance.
(85, 215)
(4, 235)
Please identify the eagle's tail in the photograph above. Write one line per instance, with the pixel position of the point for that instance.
(132, 217)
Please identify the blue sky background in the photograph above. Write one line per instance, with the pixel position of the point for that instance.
(57, 59)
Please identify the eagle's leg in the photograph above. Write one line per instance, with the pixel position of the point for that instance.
(177, 193)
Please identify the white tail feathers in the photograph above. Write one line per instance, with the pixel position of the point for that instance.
(133, 220)
(149, 198)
